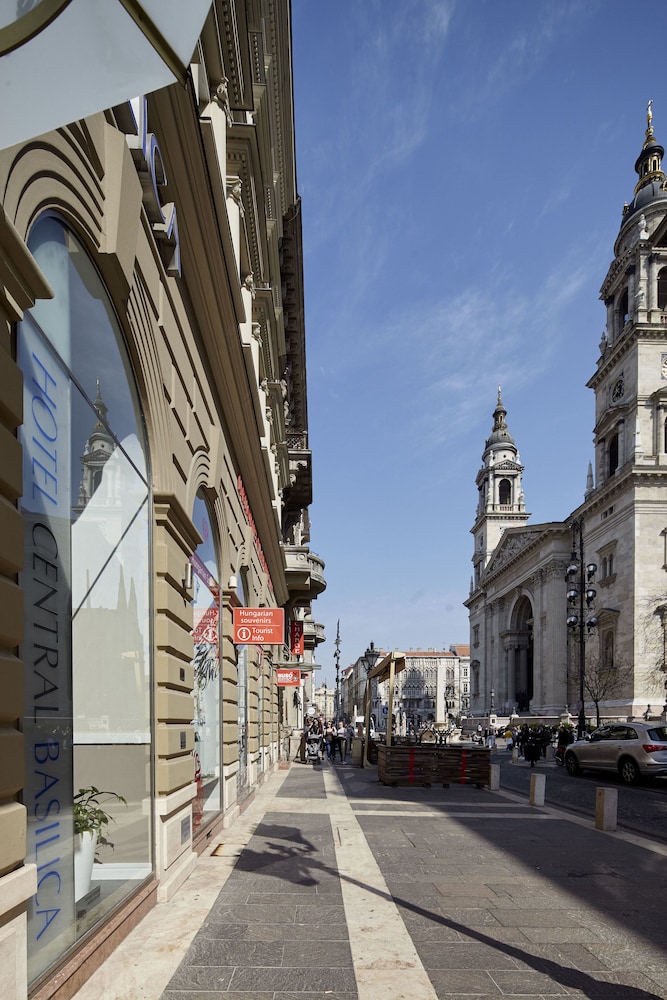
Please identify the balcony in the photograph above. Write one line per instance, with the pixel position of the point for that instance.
(313, 632)
(300, 493)
(304, 572)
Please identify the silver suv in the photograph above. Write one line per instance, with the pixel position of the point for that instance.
(631, 749)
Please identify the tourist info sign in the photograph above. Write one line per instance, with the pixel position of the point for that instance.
(262, 626)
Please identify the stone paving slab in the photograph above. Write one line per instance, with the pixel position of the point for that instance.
(278, 928)
(349, 890)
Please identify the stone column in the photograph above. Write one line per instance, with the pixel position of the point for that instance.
(523, 668)
(511, 675)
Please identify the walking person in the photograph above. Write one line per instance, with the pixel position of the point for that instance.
(341, 734)
(329, 739)
(533, 747)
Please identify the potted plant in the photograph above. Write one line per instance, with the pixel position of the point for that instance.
(91, 822)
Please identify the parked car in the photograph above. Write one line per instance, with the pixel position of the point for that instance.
(630, 749)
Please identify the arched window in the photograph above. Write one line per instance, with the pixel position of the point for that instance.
(623, 307)
(86, 506)
(505, 492)
(662, 289)
(608, 650)
(613, 454)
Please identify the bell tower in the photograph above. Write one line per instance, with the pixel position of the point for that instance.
(630, 383)
(98, 450)
(500, 503)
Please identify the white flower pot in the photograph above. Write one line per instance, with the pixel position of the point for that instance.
(84, 856)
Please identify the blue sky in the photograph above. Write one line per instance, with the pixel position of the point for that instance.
(463, 166)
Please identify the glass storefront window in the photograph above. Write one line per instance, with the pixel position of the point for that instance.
(206, 635)
(86, 508)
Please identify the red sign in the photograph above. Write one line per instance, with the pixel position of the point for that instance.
(296, 638)
(261, 626)
(286, 678)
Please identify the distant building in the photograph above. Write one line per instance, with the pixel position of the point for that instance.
(430, 688)
(324, 700)
(433, 686)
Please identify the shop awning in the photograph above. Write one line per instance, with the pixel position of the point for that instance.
(61, 60)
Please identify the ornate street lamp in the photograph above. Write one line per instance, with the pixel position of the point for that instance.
(581, 619)
(337, 659)
(369, 659)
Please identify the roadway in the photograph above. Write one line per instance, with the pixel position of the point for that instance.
(641, 808)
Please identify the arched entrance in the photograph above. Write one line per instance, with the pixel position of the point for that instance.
(519, 650)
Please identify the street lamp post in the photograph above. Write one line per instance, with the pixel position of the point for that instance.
(369, 659)
(337, 659)
(581, 619)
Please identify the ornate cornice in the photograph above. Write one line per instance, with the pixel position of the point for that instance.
(616, 267)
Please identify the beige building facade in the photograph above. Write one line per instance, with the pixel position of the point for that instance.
(155, 479)
(524, 654)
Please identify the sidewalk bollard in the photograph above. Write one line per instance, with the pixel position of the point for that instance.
(515, 755)
(606, 808)
(537, 787)
(494, 777)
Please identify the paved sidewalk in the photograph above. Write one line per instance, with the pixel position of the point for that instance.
(331, 885)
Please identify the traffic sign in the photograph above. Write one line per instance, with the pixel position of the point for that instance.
(261, 626)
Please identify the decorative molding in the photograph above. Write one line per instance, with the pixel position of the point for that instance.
(235, 192)
(220, 96)
(249, 283)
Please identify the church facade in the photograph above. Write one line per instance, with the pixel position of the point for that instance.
(531, 630)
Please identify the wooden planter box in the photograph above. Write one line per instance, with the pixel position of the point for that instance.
(424, 764)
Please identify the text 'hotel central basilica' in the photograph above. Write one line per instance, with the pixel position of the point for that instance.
(526, 626)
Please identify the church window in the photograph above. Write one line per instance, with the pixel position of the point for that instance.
(613, 455)
(608, 650)
(623, 307)
(475, 679)
(662, 289)
(505, 492)
(475, 635)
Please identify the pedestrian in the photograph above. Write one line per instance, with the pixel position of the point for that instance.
(342, 740)
(302, 745)
(316, 730)
(328, 739)
(533, 747)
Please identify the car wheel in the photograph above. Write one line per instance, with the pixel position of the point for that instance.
(628, 771)
(572, 764)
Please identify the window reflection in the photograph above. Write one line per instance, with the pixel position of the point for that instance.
(92, 504)
(206, 663)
